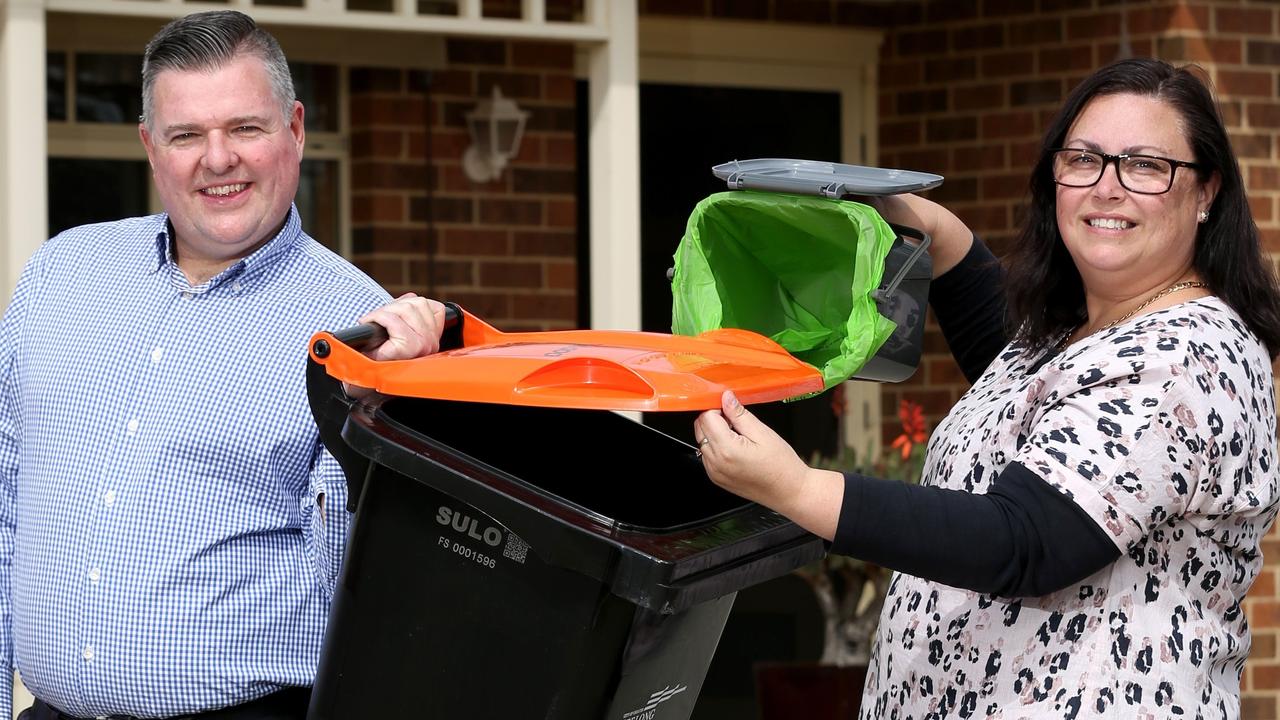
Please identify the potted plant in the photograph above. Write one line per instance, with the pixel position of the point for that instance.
(850, 594)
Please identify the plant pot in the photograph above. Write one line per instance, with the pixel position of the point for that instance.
(788, 690)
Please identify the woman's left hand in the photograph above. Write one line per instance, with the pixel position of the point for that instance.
(746, 457)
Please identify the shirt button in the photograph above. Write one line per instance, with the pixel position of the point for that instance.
(109, 498)
(132, 427)
(156, 355)
(95, 575)
(186, 295)
(87, 653)
(236, 286)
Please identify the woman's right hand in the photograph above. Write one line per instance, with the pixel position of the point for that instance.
(951, 239)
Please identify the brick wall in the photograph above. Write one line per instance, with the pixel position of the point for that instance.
(505, 249)
(967, 89)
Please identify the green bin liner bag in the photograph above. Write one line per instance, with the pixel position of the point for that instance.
(798, 269)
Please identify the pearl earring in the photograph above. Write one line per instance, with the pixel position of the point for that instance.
(1203, 217)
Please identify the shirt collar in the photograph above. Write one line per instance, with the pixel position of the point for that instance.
(272, 250)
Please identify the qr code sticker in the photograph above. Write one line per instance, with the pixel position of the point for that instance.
(516, 548)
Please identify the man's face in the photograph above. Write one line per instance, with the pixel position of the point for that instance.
(224, 160)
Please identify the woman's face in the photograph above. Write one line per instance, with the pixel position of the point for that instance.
(1125, 243)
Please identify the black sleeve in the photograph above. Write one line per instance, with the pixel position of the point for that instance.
(1022, 538)
(970, 305)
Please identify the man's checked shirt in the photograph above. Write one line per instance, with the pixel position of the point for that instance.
(159, 471)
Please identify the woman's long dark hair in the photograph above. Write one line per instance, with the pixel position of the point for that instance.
(1046, 294)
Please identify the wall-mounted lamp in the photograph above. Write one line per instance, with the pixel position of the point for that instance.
(496, 126)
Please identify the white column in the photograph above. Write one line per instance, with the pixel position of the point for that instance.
(614, 117)
(24, 214)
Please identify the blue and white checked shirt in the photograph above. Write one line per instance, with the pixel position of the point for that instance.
(159, 469)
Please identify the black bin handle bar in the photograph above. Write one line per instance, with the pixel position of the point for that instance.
(922, 244)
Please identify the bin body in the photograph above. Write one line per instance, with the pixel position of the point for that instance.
(528, 562)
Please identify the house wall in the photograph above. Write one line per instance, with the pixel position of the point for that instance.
(507, 249)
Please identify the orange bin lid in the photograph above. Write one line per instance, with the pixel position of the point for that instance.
(589, 369)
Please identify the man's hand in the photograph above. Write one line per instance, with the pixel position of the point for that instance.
(413, 326)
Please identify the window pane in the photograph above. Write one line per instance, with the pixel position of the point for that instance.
(318, 201)
(371, 5)
(278, 3)
(317, 88)
(108, 88)
(86, 191)
(56, 85)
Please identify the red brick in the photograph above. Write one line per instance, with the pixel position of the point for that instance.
(980, 37)
(1008, 64)
(1265, 677)
(1264, 646)
(956, 190)
(490, 305)
(740, 9)
(560, 151)
(525, 55)
(461, 51)
(1262, 208)
(386, 271)
(1040, 31)
(900, 74)
(1232, 112)
(1200, 49)
(1148, 20)
(510, 212)
(438, 272)
(921, 42)
(1004, 187)
(475, 241)
(1270, 239)
(554, 244)
(927, 160)
(499, 274)
(1008, 125)
(985, 157)
(1258, 708)
(1250, 20)
(382, 144)
(1093, 27)
(805, 11)
(384, 175)
(562, 275)
(442, 209)
(514, 85)
(562, 213)
(1263, 177)
(1245, 82)
(951, 69)
(383, 239)
(951, 129)
(377, 207)
(899, 133)
(444, 82)
(1063, 59)
(544, 181)
(986, 218)
(921, 102)
(559, 88)
(990, 96)
(545, 306)
(944, 371)
(529, 152)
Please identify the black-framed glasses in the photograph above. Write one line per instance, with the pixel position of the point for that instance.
(1144, 174)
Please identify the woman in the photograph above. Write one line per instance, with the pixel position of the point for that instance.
(1091, 510)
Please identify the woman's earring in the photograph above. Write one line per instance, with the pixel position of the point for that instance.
(1203, 217)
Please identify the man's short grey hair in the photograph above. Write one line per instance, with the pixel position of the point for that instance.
(208, 41)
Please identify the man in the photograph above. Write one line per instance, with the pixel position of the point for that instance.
(170, 526)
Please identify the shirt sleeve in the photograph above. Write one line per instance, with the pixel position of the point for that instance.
(1020, 538)
(325, 520)
(970, 305)
(10, 340)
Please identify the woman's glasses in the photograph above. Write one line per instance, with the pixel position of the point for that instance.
(1144, 174)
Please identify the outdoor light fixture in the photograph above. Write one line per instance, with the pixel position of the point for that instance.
(496, 126)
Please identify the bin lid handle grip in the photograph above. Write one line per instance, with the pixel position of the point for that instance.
(923, 240)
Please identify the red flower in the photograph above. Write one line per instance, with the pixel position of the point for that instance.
(912, 416)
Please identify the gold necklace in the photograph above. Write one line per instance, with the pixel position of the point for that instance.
(1167, 291)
